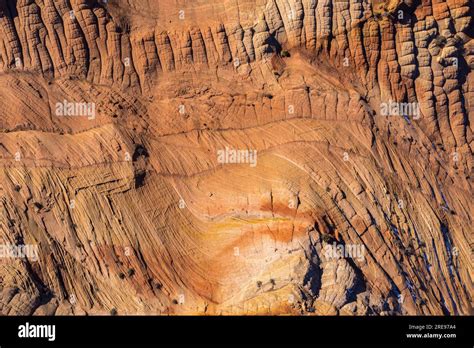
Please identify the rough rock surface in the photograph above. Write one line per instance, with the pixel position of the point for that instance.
(133, 213)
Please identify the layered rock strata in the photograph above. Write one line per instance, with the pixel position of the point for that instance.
(132, 209)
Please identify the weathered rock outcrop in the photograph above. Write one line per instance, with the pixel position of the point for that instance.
(354, 119)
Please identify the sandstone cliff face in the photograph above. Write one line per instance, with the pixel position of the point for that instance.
(133, 212)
